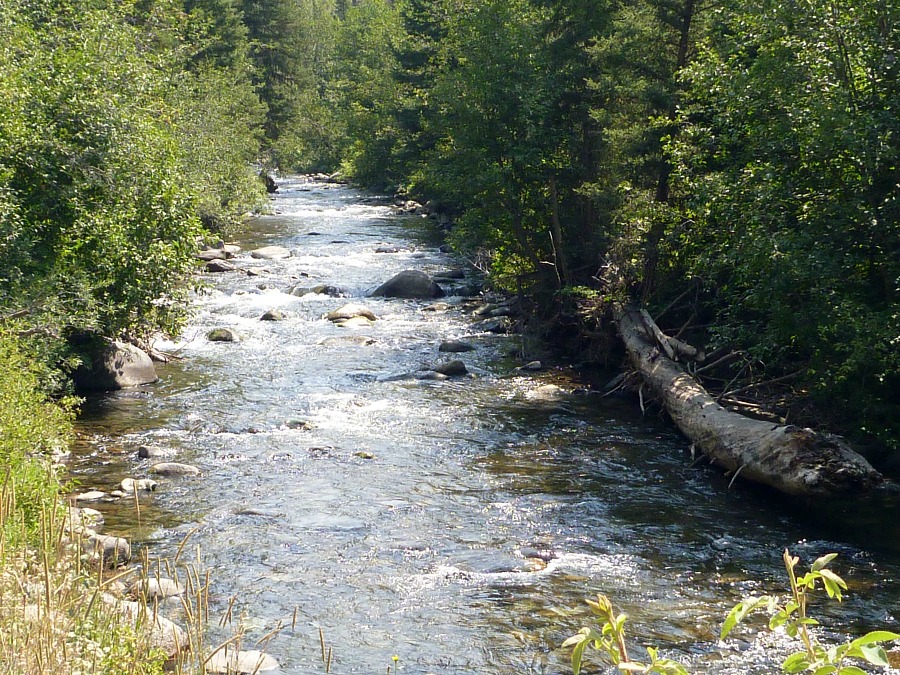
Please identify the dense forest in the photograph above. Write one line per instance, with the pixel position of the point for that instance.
(731, 166)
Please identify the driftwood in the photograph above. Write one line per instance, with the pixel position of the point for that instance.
(790, 459)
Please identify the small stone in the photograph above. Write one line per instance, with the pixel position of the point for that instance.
(118, 494)
(90, 496)
(222, 335)
(455, 346)
(299, 425)
(174, 469)
(532, 365)
(364, 454)
(437, 307)
(231, 250)
(451, 368)
(354, 322)
(272, 315)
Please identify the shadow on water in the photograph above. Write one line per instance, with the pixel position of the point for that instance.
(458, 524)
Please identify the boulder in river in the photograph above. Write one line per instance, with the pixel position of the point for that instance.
(131, 485)
(320, 289)
(451, 275)
(174, 469)
(148, 451)
(115, 365)
(410, 284)
(220, 266)
(271, 253)
(272, 315)
(454, 368)
(350, 311)
(223, 335)
(211, 254)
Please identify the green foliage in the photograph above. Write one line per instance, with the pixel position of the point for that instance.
(789, 153)
(610, 641)
(791, 616)
(31, 428)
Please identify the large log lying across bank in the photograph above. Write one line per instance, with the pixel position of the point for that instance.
(793, 460)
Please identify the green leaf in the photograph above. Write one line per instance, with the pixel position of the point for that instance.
(577, 654)
(875, 636)
(852, 670)
(580, 636)
(823, 561)
(875, 655)
(739, 612)
(795, 663)
(825, 670)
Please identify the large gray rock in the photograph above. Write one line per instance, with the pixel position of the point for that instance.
(409, 284)
(115, 365)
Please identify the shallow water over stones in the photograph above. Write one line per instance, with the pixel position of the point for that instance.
(456, 523)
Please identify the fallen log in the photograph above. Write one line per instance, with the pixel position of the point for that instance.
(790, 459)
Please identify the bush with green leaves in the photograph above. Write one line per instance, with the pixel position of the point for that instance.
(789, 615)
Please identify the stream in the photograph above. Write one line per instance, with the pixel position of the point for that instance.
(456, 524)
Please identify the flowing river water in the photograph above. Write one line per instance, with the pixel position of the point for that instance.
(457, 524)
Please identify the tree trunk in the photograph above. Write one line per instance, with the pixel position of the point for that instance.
(793, 460)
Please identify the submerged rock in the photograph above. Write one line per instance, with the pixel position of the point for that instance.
(350, 311)
(455, 347)
(410, 284)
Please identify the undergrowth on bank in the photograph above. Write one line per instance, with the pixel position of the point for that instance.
(789, 615)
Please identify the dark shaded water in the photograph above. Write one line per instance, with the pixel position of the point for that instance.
(428, 549)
